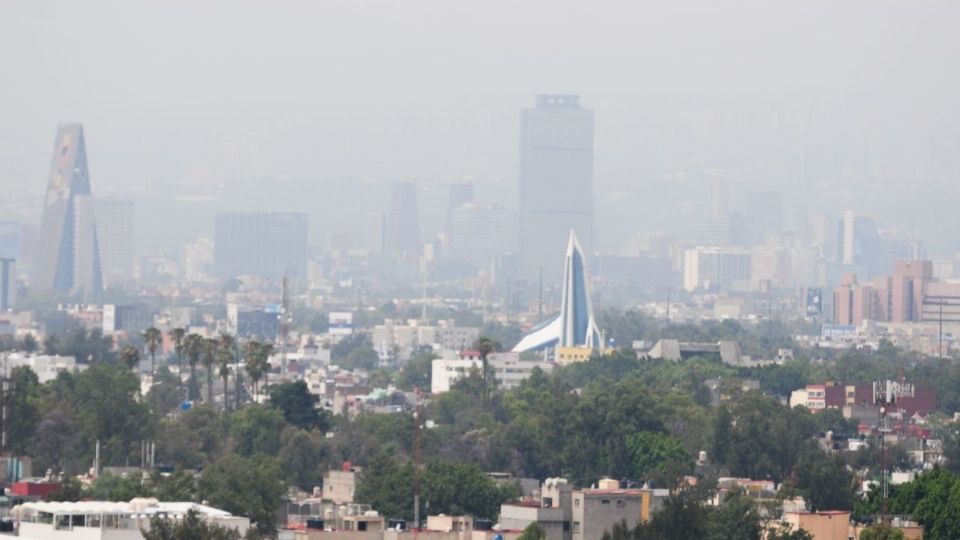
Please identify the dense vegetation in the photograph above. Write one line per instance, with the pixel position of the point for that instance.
(644, 421)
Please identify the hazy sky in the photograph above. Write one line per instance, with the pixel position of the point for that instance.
(182, 97)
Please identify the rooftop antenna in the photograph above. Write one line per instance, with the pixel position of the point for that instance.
(886, 394)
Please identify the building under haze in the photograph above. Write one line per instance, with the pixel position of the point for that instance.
(115, 233)
(403, 225)
(556, 183)
(263, 244)
(67, 257)
(458, 194)
(10, 240)
(479, 232)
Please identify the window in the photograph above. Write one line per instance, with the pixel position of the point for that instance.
(604, 501)
(566, 525)
(576, 527)
(61, 522)
(576, 502)
(621, 503)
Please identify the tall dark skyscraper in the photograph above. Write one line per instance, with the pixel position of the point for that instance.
(403, 225)
(267, 244)
(556, 184)
(67, 254)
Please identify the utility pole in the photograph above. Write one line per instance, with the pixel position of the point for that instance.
(540, 301)
(6, 385)
(416, 465)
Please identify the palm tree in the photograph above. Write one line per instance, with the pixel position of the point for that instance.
(225, 375)
(484, 346)
(177, 335)
(130, 357)
(152, 338)
(209, 357)
(225, 354)
(257, 362)
(193, 344)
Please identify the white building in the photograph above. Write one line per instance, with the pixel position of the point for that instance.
(445, 335)
(508, 370)
(47, 367)
(735, 268)
(115, 236)
(100, 520)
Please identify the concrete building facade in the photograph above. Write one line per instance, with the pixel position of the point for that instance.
(556, 183)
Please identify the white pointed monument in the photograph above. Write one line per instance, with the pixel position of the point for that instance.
(575, 325)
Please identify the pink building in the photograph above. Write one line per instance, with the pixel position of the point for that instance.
(910, 295)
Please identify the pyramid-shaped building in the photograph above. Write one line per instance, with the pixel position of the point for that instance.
(67, 259)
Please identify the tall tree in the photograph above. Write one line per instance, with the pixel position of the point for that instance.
(256, 362)
(177, 335)
(250, 487)
(194, 346)
(484, 347)
(210, 347)
(298, 405)
(22, 399)
(152, 338)
(225, 355)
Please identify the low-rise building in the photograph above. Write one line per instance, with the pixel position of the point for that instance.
(596, 511)
(553, 511)
(507, 369)
(100, 520)
(445, 523)
(826, 525)
(340, 485)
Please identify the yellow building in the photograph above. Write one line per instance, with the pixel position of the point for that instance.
(571, 355)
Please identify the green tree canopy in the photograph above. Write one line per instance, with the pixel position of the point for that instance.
(251, 487)
(298, 405)
(191, 527)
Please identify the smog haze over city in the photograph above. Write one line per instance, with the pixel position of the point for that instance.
(197, 107)
(479, 270)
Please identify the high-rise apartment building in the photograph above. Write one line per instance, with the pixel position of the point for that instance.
(115, 233)
(556, 183)
(8, 285)
(861, 249)
(264, 244)
(67, 257)
(403, 225)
